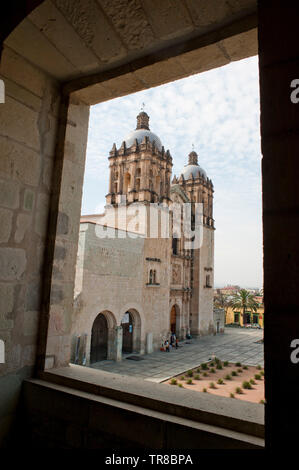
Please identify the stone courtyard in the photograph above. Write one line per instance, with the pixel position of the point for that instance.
(236, 344)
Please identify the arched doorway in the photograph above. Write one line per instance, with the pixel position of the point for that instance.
(127, 326)
(99, 339)
(174, 320)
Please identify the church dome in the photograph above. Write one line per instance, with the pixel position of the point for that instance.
(142, 130)
(193, 168)
(189, 170)
(139, 134)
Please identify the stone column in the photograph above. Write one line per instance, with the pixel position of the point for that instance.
(118, 343)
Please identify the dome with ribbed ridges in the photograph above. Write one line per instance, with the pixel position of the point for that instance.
(143, 130)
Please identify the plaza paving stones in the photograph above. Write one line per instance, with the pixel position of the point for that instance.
(235, 345)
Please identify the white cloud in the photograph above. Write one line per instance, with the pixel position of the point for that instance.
(218, 112)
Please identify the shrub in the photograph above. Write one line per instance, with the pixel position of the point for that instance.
(204, 390)
(239, 390)
(220, 381)
(173, 381)
(262, 373)
(183, 377)
(204, 366)
(190, 373)
(258, 367)
(234, 373)
(219, 365)
(262, 402)
(246, 385)
(198, 370)
(212, 370)
(238, 364)
(181, 385)
(189, 382)
(197, 377)
(258, 376)
(205, 374)
(232, 395)
(245, 367)
(252, 382)
(225, 363)
(228, 377)
(212, 385)
(212, 364)
(239, 370)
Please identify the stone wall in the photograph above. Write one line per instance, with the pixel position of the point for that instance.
(28, 127)
(113, 276)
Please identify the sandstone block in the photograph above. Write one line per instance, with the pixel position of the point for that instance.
(29, 198)
(130, 22)
(45, 55)
(161, 72)
(23, 224)
(12, 263)
(6, 298)
(6, 223)
(95, 31)
(19, 122)
(236, 45)
(19, 163)
(31, 319)
(169, 18)
(9, 194)
(22, 72)
(59, 31)
(203, 59)
(42, 213)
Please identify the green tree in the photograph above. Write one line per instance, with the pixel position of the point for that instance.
(244, 300)
(222, 301)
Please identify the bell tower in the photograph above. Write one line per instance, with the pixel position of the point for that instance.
(198, 187)
(140, 169)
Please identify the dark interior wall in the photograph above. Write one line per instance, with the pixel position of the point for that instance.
(279, 65)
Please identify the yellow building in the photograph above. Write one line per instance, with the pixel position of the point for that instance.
(236, 317)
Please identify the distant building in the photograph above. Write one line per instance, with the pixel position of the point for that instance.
(251, 318)
(227, 290)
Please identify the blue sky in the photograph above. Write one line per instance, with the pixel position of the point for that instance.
(218, 112)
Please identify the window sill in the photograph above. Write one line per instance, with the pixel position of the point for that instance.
(237, 419)
(152, 285)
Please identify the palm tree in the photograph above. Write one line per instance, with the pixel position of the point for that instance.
(244, 300)
(222, 301)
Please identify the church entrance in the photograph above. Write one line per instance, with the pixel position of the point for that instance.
(173, 320)
(99, 339)
(127, 326)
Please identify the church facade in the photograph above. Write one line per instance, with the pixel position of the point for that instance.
(145, 267)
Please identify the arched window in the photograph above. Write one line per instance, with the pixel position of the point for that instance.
(151, 277)
(175, 245)
(208, 280)
(127, 182)
(154, 277)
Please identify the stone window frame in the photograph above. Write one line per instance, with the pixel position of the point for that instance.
(71, 98)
